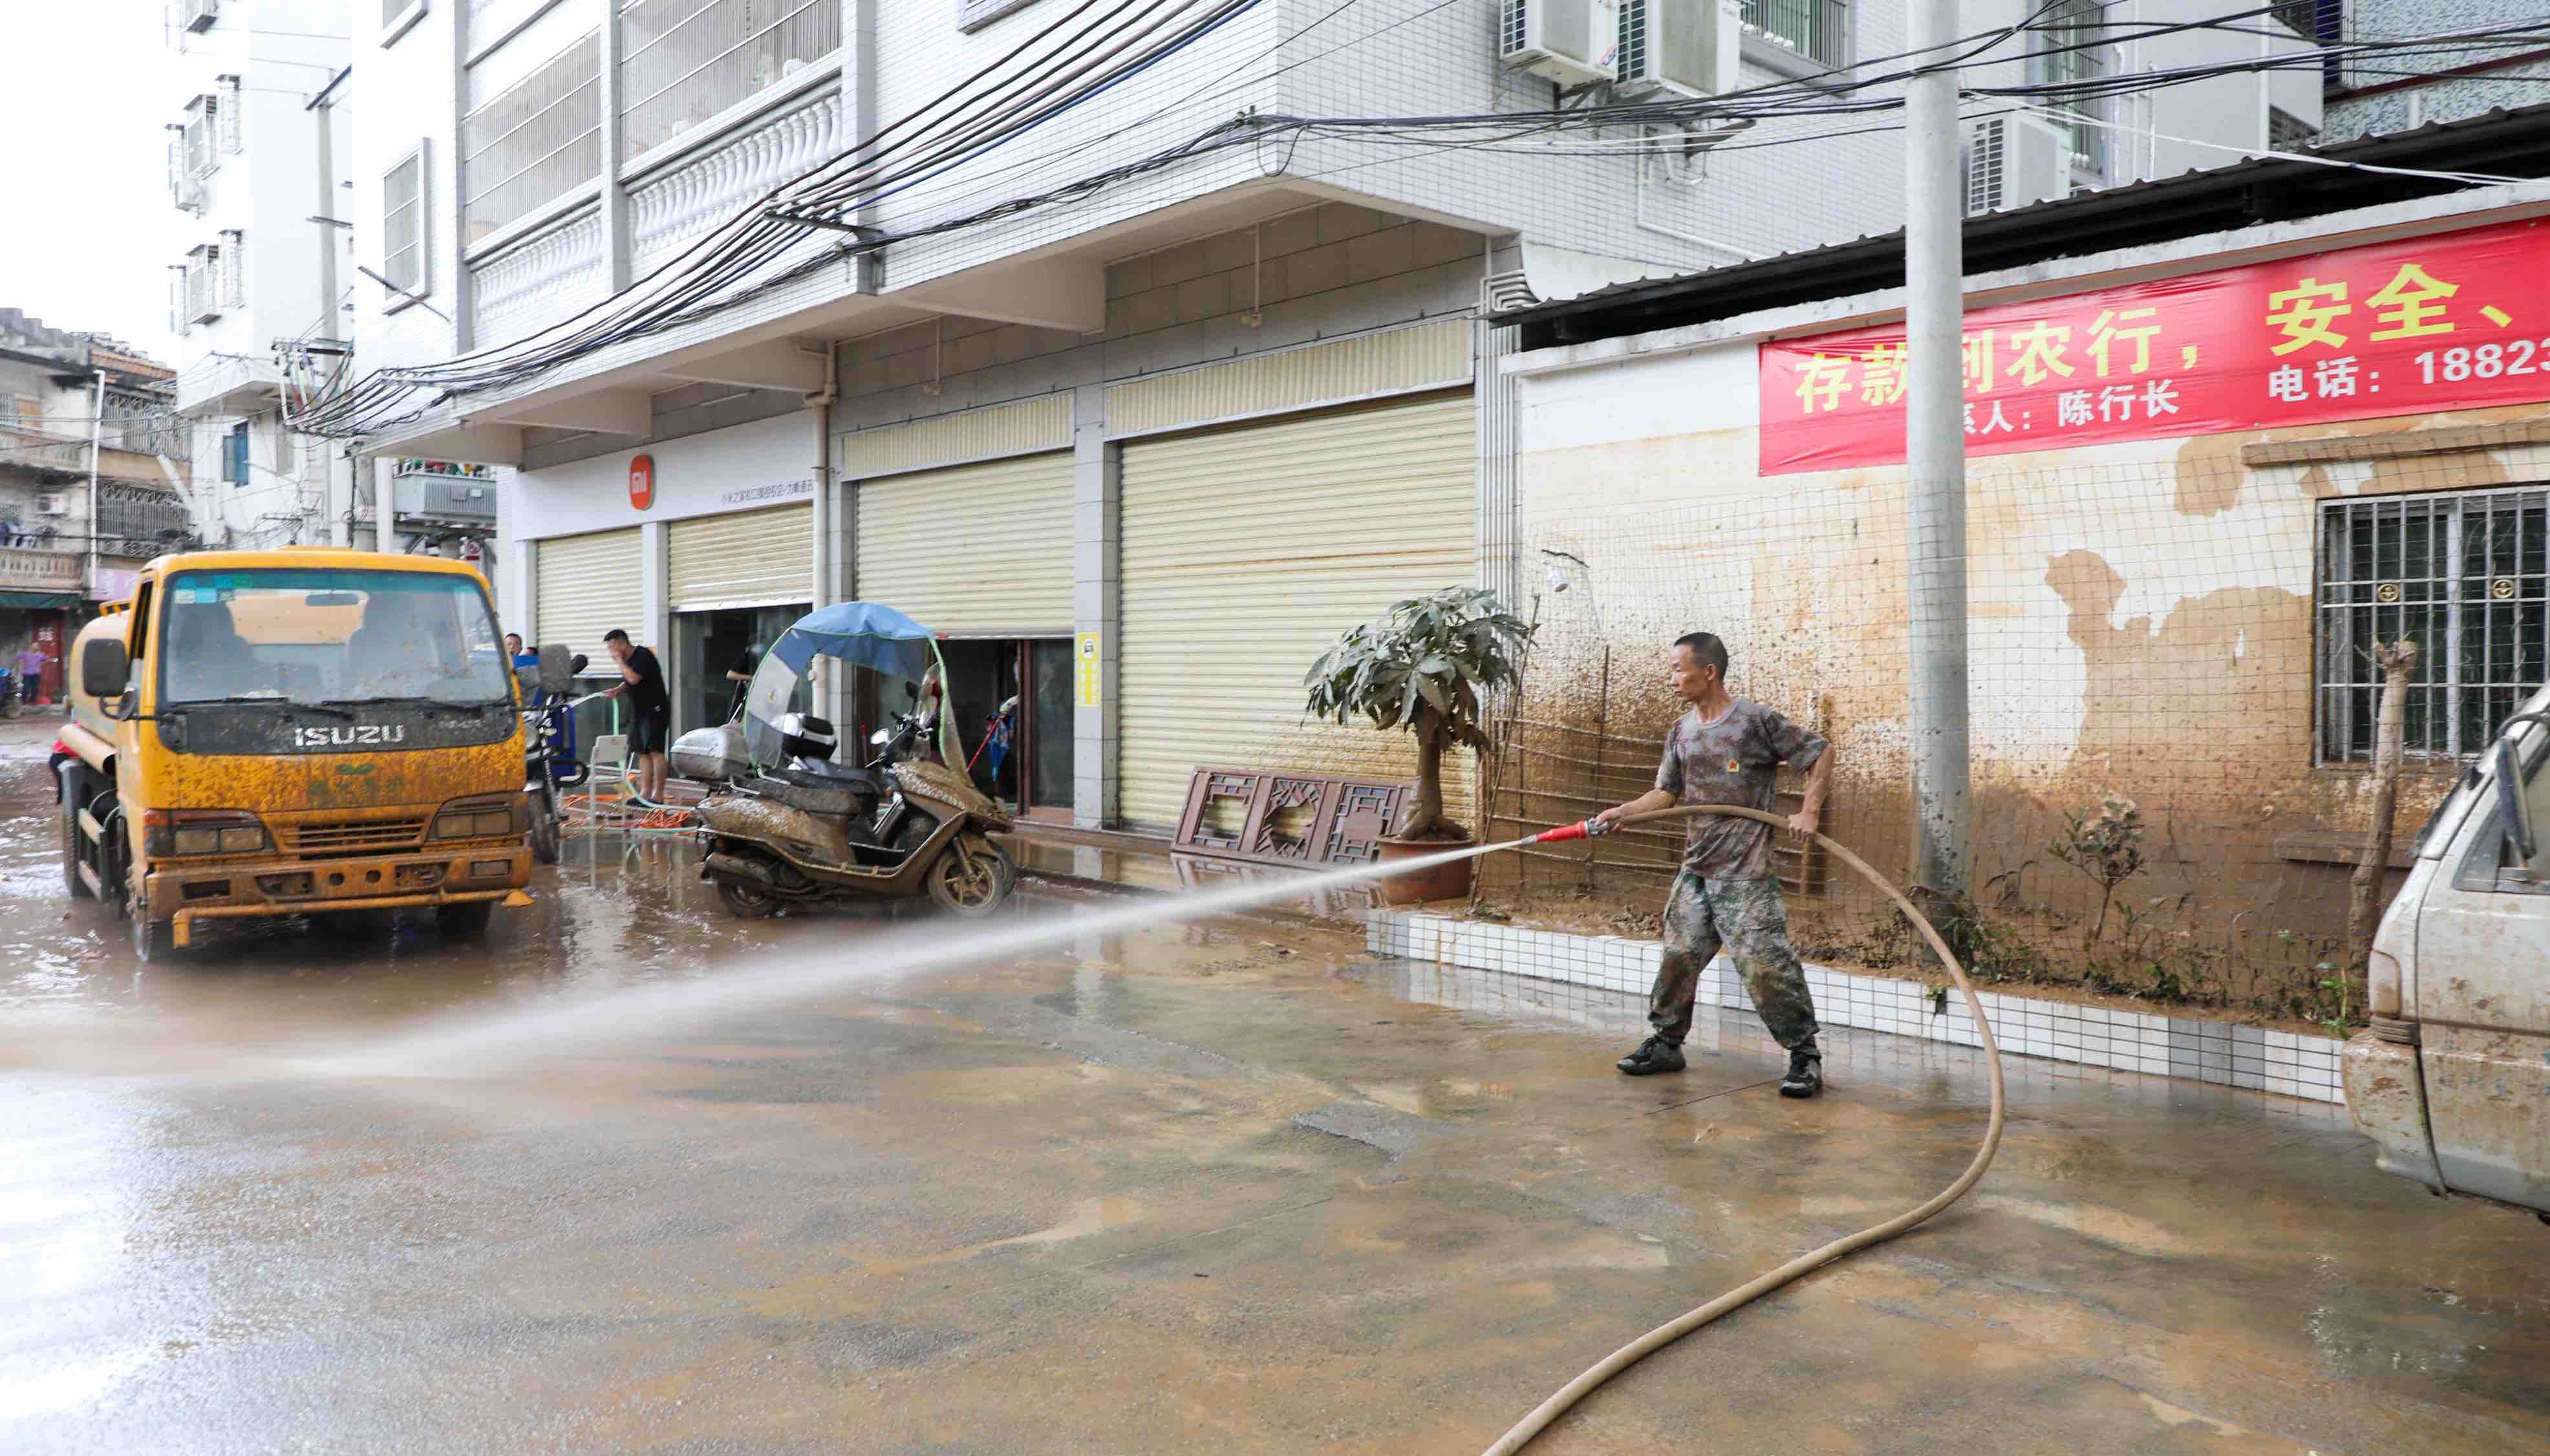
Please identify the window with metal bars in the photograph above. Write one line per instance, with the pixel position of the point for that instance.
(536, 141)
(683, 61)
(1817, 30)
(403, 225)
(2466, 576)
(2071, 49)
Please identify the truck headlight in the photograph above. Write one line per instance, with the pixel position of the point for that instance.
(194, 832)
(488, 817)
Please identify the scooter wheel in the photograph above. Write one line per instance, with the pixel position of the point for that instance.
(746, 904)
(544, 837)
(969, 881)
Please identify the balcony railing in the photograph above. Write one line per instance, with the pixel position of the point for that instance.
(678, 203)
(29, 568)
(538, 281)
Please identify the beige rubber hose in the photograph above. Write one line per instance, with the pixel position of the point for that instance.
(1736, 1299)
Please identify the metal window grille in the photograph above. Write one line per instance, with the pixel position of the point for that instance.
(203, 141)
(230, 261)
(1985, 164)
(1817, 30)
(2462, 575)
(203, 284)
(185, 188)
(683, 61)
(1515, 26)
(2069, 50)
(539, 140)
(403, 225)
(198, 15)
(226, 116)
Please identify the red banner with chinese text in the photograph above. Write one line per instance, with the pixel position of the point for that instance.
(2456, 321)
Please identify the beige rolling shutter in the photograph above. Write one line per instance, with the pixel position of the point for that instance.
(1246, 551)
(751, 558)
(973, 548)
(588, 585)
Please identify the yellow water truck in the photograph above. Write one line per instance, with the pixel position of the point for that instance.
(302, 730)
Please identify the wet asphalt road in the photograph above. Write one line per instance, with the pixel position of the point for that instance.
(1229, 1187)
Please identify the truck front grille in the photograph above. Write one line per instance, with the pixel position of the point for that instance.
(352, 839)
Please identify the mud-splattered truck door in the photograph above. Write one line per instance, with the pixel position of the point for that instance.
(295, 731)
(2453, 1081)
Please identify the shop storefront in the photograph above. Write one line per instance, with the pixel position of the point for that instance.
(983, 554)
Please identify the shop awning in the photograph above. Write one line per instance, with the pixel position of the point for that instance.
(37, 600)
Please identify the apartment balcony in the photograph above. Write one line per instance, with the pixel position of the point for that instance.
(29, 577)
(43, 451)
(227, 384)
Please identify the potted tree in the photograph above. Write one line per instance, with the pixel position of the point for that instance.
(1424, 667)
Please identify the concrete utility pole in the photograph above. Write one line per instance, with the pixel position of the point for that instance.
(1936, 457)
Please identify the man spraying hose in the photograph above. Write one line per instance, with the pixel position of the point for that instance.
(1725, 751)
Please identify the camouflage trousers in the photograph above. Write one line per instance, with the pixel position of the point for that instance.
(1748, 918)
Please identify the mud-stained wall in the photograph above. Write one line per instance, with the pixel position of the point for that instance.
(2141, 627)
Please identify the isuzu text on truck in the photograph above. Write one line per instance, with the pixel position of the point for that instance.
(297, 731)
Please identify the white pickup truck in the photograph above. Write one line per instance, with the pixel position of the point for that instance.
(2453, 1081)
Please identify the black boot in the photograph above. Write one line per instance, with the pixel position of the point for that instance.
(1806, 1072)
(1656, 1054)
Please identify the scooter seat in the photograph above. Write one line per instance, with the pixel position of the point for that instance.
(840, 795)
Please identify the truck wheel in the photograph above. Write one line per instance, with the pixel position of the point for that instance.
(74, 787)
(463, 921)
(153, 941)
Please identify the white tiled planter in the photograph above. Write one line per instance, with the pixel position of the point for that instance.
(2286, 1062)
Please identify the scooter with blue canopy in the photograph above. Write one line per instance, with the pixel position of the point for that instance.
(784, 823)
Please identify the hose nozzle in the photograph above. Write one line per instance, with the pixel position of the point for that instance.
(1586, 829)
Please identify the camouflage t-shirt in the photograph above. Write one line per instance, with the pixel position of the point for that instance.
(1733, 760)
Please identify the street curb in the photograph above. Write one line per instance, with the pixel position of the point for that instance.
(2189, 1048)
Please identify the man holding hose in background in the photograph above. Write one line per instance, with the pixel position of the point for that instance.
(1724, 750)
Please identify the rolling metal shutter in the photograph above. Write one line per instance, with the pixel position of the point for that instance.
(982, 548)
(753, 558)
(588, 585)
(1246, 552)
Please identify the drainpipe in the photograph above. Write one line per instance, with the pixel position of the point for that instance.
(96, 440)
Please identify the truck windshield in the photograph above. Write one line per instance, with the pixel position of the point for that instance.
(294, 635)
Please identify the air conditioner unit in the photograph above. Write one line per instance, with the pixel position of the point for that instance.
(1689, 48)
(2014, 160)
(52, 505)
(198, 15)
(1571, 41)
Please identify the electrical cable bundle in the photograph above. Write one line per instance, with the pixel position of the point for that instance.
(749, 253)
(771, 242)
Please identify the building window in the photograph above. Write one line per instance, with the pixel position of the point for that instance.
(2287, 132)
(2071, 50)
(404, 228)
(973, 14)
(235, 454)
(230, 261)
(683, 61)
(1817, 30)
(2466, 577)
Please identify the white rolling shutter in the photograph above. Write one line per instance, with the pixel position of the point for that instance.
(983, 548)
(1246, 552)
(588, 585)
(753, 558)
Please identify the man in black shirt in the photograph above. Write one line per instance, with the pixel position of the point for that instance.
(650, 711)
(740, 674)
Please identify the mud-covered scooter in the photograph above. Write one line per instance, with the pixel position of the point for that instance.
(785, 822)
